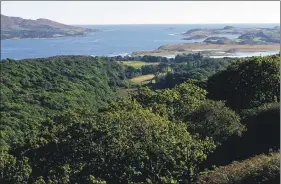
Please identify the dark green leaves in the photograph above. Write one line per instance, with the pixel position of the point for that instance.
(247, 83)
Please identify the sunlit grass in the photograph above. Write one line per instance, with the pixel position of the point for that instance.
(142, 78)
(138, 64)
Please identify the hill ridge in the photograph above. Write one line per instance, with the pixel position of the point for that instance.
(19, 28)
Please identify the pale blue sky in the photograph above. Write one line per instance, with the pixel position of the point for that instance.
(145, 12)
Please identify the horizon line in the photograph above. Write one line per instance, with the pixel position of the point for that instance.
(141, 23)
(176, 23)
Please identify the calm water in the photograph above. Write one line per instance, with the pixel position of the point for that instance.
(113, 40)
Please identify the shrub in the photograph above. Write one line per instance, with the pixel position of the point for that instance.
(179, 101)
(263, 124)
(122, 144)
(213, 119)
(263, 169)
(247, 83)
(13, 170)
(262, 135)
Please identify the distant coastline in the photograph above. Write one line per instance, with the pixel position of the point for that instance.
(215, 42)
(56, 37)
(208, 49)
(131, 39)
(16, 28)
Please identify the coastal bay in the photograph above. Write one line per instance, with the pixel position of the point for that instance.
(114, 40)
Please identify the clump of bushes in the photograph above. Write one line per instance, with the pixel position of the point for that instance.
(259, 169)
(247, 83)
(214, 119)
(262, 135)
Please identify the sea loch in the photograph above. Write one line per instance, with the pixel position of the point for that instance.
(113, 40)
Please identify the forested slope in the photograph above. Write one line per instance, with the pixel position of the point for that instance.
(61, 123)
(32, 90)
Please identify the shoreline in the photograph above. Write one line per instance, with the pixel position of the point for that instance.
(44, 38)
(209, 49)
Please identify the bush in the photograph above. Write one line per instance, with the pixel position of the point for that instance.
(262, 135)
(213, 119)
(178, 101)
(263, 124)
(247, 83)
(122, 144)
(33, 89)
(263, 169)
(13, 170)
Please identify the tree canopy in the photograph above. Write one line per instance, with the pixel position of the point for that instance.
(62, 121)
(247, 83)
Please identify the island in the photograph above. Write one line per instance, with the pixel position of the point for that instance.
(244, 35)
(19, 28)
(222, 42)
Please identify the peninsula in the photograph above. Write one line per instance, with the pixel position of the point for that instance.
(19, 28)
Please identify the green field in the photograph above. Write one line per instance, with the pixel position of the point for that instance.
(122, 92)
(138, 64)
(142, 78)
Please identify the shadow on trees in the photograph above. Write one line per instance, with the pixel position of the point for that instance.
(262, 136)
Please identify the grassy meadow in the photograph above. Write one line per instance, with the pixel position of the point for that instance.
(141, 79)
(138, 64)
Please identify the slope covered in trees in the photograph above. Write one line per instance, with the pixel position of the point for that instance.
(259, 169)
(62, 123)
(32, 90)
(247, 83)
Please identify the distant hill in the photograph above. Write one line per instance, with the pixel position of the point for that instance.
(262, 36)
(247, 35)
(18, 28)
(218, 40)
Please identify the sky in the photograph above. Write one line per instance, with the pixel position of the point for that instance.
(146, 12)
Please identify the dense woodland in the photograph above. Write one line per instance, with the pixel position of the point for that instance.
(177, 70)
(205, 121)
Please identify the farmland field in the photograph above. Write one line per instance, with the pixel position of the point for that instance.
(142, 78)
(138, 64)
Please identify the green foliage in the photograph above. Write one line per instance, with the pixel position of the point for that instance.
(218, 40)
(32, 90)
(13, 170)
(186, 103)
(150, 69)
(263, 120)
(40, 180)
(192, 69)
(246, 113)
(213, 119)
(264, 169)
(262, 135)
(62, 124)
(188, 57)
(124, 143)
(247, 83)
(185, 66)
(270, 36)
(137, 64)
(176, 102)
(94, 180)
